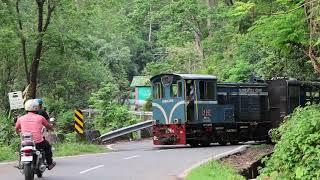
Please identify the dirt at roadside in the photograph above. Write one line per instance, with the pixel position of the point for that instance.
(244, 159)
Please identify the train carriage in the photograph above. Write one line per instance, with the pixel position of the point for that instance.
(250, 102)
(285, 95)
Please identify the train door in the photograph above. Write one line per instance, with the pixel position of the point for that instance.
(206, 101)
(278, 94)
(177, 111)
(190, 99)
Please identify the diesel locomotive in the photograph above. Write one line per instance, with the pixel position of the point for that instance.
(197, 110)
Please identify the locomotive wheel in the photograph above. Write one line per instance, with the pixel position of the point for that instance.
(223, 143)
(205, 144)
(234, 142)
(222, 139)
(194, 144)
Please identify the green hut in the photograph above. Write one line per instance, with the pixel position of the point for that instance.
(141, 88)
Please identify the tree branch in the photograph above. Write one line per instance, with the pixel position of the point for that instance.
(23, 41)
(51, 7)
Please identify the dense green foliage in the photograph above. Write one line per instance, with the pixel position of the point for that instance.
(92, 49)
(213, 171)
(61, 149)
(68, 149)
(262, 38)
(113, 115)
(297, 152)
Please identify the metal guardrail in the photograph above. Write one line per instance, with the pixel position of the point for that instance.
(142, 113)
(126, 130)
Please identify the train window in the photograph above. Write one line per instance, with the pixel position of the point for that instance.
(174, 90)
(157, 91)
(202, 89)
(207, 90)
(179, 89)
(211, 90)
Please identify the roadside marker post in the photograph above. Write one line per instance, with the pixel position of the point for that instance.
(79, 122)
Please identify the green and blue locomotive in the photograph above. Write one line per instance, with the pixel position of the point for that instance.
(194, 109)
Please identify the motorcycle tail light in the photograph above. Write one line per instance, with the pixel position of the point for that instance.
(27, 150)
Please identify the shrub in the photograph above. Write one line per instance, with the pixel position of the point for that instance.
(7, 154)
(65, 121)
(148, 105)
(297, 153)
(71, 138)
(114, 117)
(6, 129)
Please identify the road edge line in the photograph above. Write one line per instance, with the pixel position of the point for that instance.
(216, 157)
(109, 146)
(90, 169)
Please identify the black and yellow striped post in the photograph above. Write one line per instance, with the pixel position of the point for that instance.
(78, 122)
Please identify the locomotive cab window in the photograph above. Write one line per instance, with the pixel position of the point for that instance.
(157, 91)
(176, 89)
(207, 90)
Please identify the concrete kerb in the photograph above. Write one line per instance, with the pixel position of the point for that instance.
(216, 157)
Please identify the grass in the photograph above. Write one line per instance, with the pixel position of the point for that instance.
(69, 149)
(214, 171)
(7, 154)
(259, 146)
(61, 149)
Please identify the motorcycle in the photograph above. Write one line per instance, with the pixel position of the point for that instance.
(32, 160)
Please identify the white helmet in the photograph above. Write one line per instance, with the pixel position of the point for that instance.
(31, 105)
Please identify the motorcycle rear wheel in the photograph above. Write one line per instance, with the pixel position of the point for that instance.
(28, 172)
(39, 174)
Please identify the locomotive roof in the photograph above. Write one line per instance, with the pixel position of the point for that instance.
(188, 76)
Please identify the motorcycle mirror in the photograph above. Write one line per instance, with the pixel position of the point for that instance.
(52, 119)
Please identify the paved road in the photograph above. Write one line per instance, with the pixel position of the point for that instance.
(128, 161)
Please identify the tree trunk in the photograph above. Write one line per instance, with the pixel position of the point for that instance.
(36, 59)
(33, 72)
(197, 36)
(150, 25)
(210, 4)
(310, 7)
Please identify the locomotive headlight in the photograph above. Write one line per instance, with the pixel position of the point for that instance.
(155, 122)
(177, 121)
(155, 138)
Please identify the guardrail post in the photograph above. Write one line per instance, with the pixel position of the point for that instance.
(139, 134)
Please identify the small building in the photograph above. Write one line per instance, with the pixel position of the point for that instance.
(141, 88)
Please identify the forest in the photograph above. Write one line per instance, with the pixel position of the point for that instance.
(83, 54)
(80, 54)
(67, 51)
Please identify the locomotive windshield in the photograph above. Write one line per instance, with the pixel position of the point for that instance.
(168, 87)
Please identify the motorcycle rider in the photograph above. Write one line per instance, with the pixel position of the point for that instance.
(42, 111)
(33, 123)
